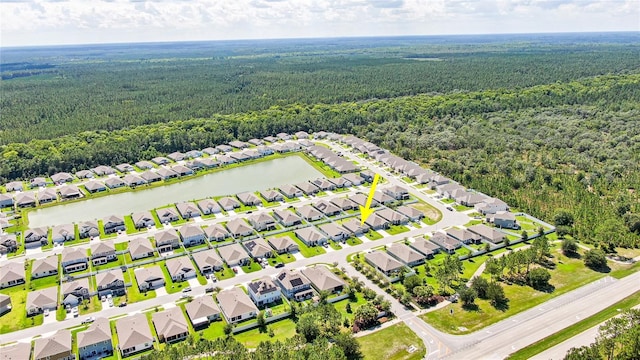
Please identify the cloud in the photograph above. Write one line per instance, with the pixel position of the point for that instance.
(62, 21)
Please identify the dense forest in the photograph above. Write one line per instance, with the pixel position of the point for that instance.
(531, 127)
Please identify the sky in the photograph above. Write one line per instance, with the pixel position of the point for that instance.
(52, 22)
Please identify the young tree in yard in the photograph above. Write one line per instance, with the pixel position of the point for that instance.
(385, 305)
(524, 235)
(467, 296)
(487, 247)
(539, 278)
(411, 282)
(494, 268)
(85, 304)
(496, 296)
(228, 328)
(569, 247)
(261, 322)
(595, 259)
(423, 292)
(542, 248)
(480, 285)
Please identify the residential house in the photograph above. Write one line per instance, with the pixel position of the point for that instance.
(327, 208)
(239, 156)
(54, 347)
(160, 160)
(140, 248)
(491, 206)
(239, 228)
(182, 170)
(206, 163)
(249, 199)
(309, 213)
(88, 229)
(208, 261)
(125, 168)
(258, 248)
(167, 240)
(397, 192)
(287, 218)
(471, 198)
(446, 242)
(75, 291)
(271, 139)
(463, 235)
(354, 179)
(62, 233)
(74, 259)
(229, 203)
(103, 252)
(271, 195)
(114, 183)
(188, 210)
(6, 200)
(355, 227)
(323, 184)
(192, 154)
(110, 282)
(406, 254)
(14, 186)
(382, 198)
(216, 232)
(307, 188)
(38, 182)
(487, 233)
(233, 254)
(112, 224)
(17, 351)
(176, 156)
(209, 206)
(36, 237)
(310, 236)
(367, 175)
(25, 199)
(171, 326)
(425, 247)
(149, 278)
(448, 189)
(47, 195)
(8, 243)
(504, 219)
(150, 176)
(255, 142)
(283, 244)
(377, 222)
(334, 231)
(192, 235)
(44, 267)
(302, 135)
(142, 220)
(202, 311)
(167, 215)
(290, 191)
(11, 274)
(236, 305)
(225, 160)
(394, 217)
(40, 300)
(340, 182)
(239, 144)
(262, 221)
(384, 263)
(294, 285)
(361, 200)
(412, 213)
(224, 148)
(323, 279)
(344, 203)
(180, 268)
(5, 304)
(69, 192)
(103, 170)
(133, 180)
(95, 342)
(144, 165)
(263, 291)
(134, 335)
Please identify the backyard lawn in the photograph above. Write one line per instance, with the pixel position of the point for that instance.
(133, 293)
(17, 319)
(225, 273)
(392, 343)
(213, 331)
(282, 330)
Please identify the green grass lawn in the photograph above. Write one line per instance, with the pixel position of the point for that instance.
(373, 235)
(568, 275)
(353, 241)
(619, 271)
(121, 246)
(473, 222)
(172, 287)
(284, 258)
(392, 344)
(462, 207)
(282, 330)
(16, 319)
(252, 267)
(94, 305)
(225, 273)
(304, 249)
(448, 201)
(213, 331)
(341, 306)
(397, 229)
(334, 245)
(575, 329)
(111, 264)
(133, 292)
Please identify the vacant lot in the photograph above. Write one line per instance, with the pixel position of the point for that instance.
(391, 344)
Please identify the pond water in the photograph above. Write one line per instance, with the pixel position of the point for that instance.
(259, 176)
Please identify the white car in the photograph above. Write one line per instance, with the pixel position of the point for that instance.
(74, 311)
(88, 320)
(46, 312)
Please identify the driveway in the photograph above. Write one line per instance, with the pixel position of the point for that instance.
(194, 282)
(161, 291)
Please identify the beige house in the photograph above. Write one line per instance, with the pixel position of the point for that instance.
(171, 326)
(11, 274)
(134, 334)
(41, 300)
(236, 305)
(323, 279)
(55, 347)
(202, 310)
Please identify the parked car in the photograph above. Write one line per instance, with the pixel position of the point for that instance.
(88, 320)
(279, 265)
(123, 304)
(46, 312)
(208, 289)
(74, 311)
(449, 208)
(187, 289)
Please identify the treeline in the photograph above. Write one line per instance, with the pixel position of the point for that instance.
(572, 146)
(98, 94)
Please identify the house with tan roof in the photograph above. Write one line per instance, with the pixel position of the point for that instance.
(143, 219)
(180, 268)
(95, 186)
(112, 224)
(69, 191)
(323, 279)
(491, 206)
(62, 233)
(307, 188)
(294, 285)
(323, 184)
(310, 236)
(229, 203)
(262, 221)
(110, 282)
(354, 179)
(344, 203)
(171, 326)
(140, 248)
(406, 254)
(286, 217)
(17, 351)
(233, 254)
(144, 165)
(133, 180)
(236, 305)
(463, 235)
(74, 259)
(188, 210)
(271, 195)
(73, 292)
(249, 199)
(361, 200)
(134, 334)
(327, 208)
(487, 233)
(25, 199)
(114, 183)
(290, 191)
(384, 263)
(412, 213)
(47, 195)
(208, 261)
(14, 186)
(397, 192)
(394, 217)
(11, 274)
(103, 252)
(264, 291)
(209, 206)
(95, 342)
(503, 219)
(334, 231)
(167, 215)
(149, 278)
(216, 232)
(258, 248)
(377, 222)
(125, 168)
(36, 237)
(44, 267)
(355, 227)
(427, 248)
(41, 300)
(202, 310)
(382, 198)
(192, 235)
(283, 244)
(150, 176)
(309, 213)
(239, 228)
(446, 242)
(88, 229)
(54, 347)
(167, 240)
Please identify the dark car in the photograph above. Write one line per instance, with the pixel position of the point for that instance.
(279, 265)
(123, 304)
